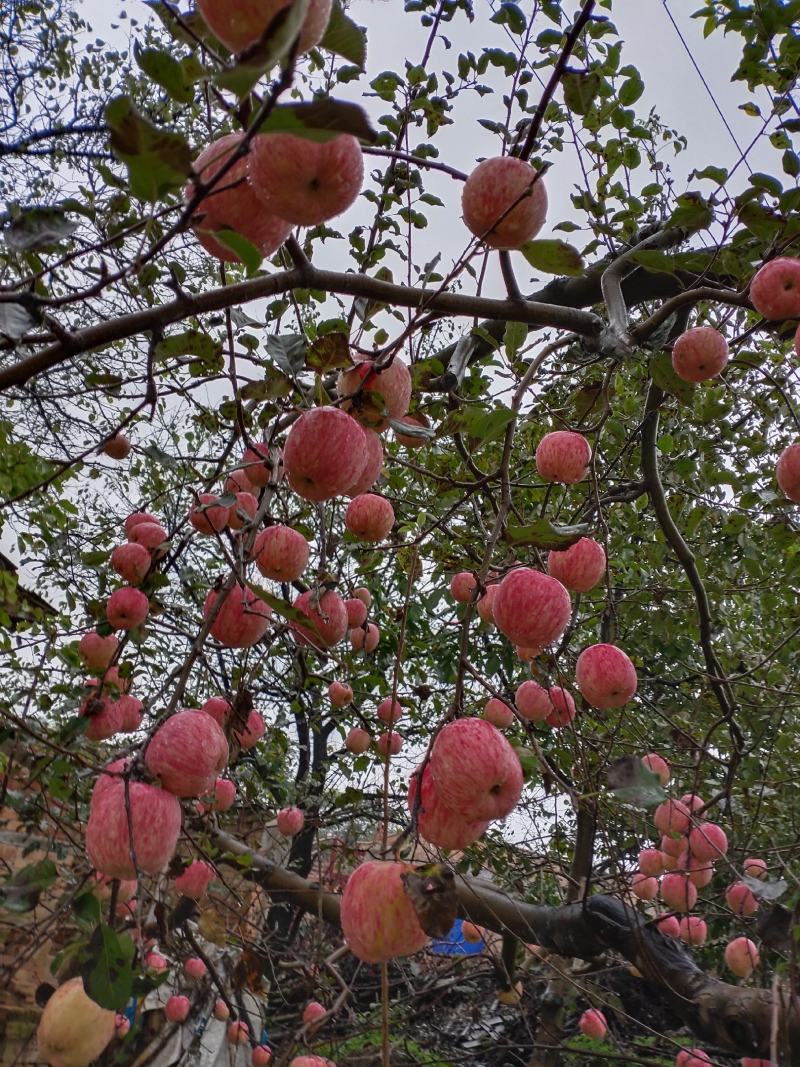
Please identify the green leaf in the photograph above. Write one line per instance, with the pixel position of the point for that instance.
(330, 352)
(632, 782)
(553, 257)
(692, 213)
(87, 908)
(344, 38)
(514, 337)
(320, 120)
(511, 15)
(544, 534)
(262, 56)
(246, 251)
(286, 611)
(107, 971)
(21, 891)
(158, 161)
(580, 91)
(631, 90)
(288, 351)
(38, 227)
(166, 71)
(190, 343)
(665, 378)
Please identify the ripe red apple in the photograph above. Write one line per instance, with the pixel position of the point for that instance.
(678, 893)
(187, 752)
(73, 1030)
(261, 1056)
(238, 482)
(593, 1024)
(562, 707)
(701, 873)
(503, 202)
(366, 638)
(699, 354)
(406, 439)
(669, 926)
(313, 1012)
(223, 795)
(389, 743)
(462, 586)
(131, 561)
(787, 472)
(563, 456)
(692, 1057)
(325, 453)
(221, 1010)
(438, 824)
(241, 23)
(340, 694)
(471, 933)
(579, 567)
(533, 702)
(290, 821)
(155, 962)
(644, 887)
(378, 919)
(130, 711)
(659, 766)
(369, 517)
(708, 841)
(117, 447)
(306, 182)
(238, 1033)
(96, 651)
(257, 464)
(356, 612)
(651, 862)
(177, 1009)
(485, 604)
(219, 709)
(233, 203)
(149, 534)
(195, 968)
(242, 620)
(775, 289)
(373, 464)
(135, 519)
(390, 711)
(281, 553)
(364, 595)
(741, 900)
(104, 716)
(243, 511)
(155, 822)
(253, 732)
(741, 956)
(329, 616)
(755, 868)
(207, 516)
(195, 880)
(357, 740)
(375, 396)
(475, 770)
(605, 676)
(671, 817)
(531, 608)
(127, 608)
(498, 713)
(693, 930)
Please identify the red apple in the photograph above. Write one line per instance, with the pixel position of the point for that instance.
(651, 862)
(475, 770)
(366, 638)
(593, 1024)
(741, 956)
(313, 1012)
(261, 1056)
(389, 743)
(775, 289)
(755, 868)
(485, 604)
(219, 709)
(678, 893)
(241, 23)
(223, 795)
(373, 464)
(187, 752)
(406, 439)
(605, 676)
(281, 553)
(238, 1033)
(741, 900)
(671, 817)
(708, 841)
(127, 608)
(533, 702)
(325, 453)
(327, 613)
(356, 612)
(692, 1057)
(659, 766)
(151, 535)
(644, 887)
(390, 711)
(693, 930)
(357, 740)
(462, 586)
(135, 519)
(242, 620)
(130, 712)
(375, 396)
(438, 824)
(531, 608)
(96, 651)
(579, 567)
(563, 456)
(177, 1009)
(498, 713)
(195, 880)
(699, 354)
(253, 732)
(378, 919)
(787, 472)
(243, 511)
(290, 821)
(504, 202)
(195, 968)
(117, 447)
(207, 516)
(131, 561)
(369, 517)
(257, 464)
(562, 707)
(340, 694)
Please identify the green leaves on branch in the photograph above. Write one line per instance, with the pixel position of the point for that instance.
(22, 890)
(344, 38)
(580, 90)
(544, 534)
(158, 161)
(553, 257)
(107, 970)
(320, 120)
(665, 378)
(692, 213)
(176, 77)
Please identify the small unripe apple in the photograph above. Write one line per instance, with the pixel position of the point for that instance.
(669, 926)
(221, 1010)
(366, 638)
(775, 289)
(195, 968)
(151, 535)
(340, 694)
(196, 879)
(787, 472)
(306, 182)
(533, 702)
(127, 608)
(741, 956)
(290, 821)
(207, 516)
(232, 204)
(375, 396)
(187, 752)
(313, 1012)
(243, 511)
(606, 676)
(389, 744)
(357, 740)
(238, 1033)
(651, 862)
(741, 900)
(562, 707)
(96, 651)
(131, 561)
(504, 202)
(462, 586)
(531, 608)
(708, 841)
(755, 868)
(324, 453)
(659, 766)
(579, 567)
(699, 354)
(498, 713)
(644, 887)
(356, 612)
(678, 893)
(671, 817)
(390, 711)
(593, 1024)
(73, 1030)
(693, 930)
(242, 620)
(327, 613)
(475, 770)
(281, 553)
(563, 456)
(369, 517)
(378, 919)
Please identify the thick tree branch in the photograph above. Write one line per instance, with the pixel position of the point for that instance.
(731, 1017)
